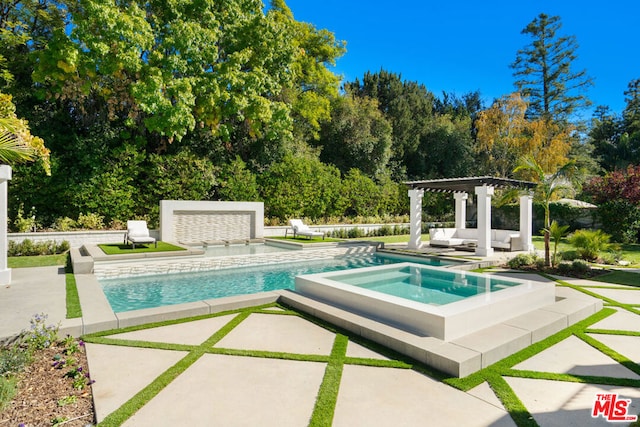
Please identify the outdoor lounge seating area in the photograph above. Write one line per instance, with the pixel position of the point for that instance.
(450, 237)
(301, 229)
(138, 234)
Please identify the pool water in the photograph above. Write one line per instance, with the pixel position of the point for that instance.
(432, 286)
(252, 249)
(134, 293)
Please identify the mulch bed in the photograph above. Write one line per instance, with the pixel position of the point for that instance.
(46, 395)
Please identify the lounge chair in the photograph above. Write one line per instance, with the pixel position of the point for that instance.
(138, 233)
(300, 229)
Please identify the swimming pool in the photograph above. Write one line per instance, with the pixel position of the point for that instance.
(433, 301)
(242, 249)
(134, 293)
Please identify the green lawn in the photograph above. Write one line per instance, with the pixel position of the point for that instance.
(620, 278)
(306, 239)
(630, 253)
(121, 248)
(402, 238)
(36, 261)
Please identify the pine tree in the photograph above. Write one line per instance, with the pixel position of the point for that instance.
(544, 73)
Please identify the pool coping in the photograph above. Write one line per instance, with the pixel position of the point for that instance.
(465, 355)
(460, 357)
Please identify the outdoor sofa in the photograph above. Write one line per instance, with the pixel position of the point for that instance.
(448, 237)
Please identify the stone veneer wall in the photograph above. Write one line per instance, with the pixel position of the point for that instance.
(78, 238)
(188, 221)
(191, 265)
(191, 227)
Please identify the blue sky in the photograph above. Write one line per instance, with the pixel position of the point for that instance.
(462, 46)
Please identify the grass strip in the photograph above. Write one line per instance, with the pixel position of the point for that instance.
(121, 248)
(270, 354)
(328, 394)
(250, 310)
(612, 332)
(519, 413)
(134, 404)
(583, 379)
(140, 344)
(74, 310)
(36, 261)
(377, 363)
(623, 360)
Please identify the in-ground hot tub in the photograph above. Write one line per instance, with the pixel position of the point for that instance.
(433, 301)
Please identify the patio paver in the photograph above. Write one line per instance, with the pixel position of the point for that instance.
(121, 372)
(574, 356)
(398, 397)
(621, 321)
(566, 404)
(236, 391)
(189, 333)
(281, 333)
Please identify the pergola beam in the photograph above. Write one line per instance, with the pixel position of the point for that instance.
(483, 187)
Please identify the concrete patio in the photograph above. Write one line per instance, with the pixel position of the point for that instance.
(225, 389)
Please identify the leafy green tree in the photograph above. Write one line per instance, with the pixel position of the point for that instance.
(301, 186)
(363, 196)
(236, 182)
(170, 67)
(358, 136)
(617, 195)
(112, 189)
(180, 176)
(408, 106)
(616, 138)
(549, 186)
(313, 85)
(445, 148)
(544, 72)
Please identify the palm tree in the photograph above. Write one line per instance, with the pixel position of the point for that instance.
(556, 232)
(549, 186)
(17, 145)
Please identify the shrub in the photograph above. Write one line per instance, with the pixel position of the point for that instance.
(24, 224)
(523, 260)
(12, 360)
(64, 224)
(589, 243)
(610, 258)
(30, 248)
(575, 268)
(90, 221)
(40, 335)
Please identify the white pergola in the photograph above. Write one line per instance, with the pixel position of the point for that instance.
(483, 187)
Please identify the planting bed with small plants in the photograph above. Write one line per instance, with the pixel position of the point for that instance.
(44, 380)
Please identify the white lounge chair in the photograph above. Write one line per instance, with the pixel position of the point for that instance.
(138, 233)
(300, 229)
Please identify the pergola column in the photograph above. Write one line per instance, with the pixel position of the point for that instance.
(415, 218)
(5, 273)
(484, 194)
(461, 209)
(526, 222)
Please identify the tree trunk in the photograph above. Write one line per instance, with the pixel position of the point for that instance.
(547, 258)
